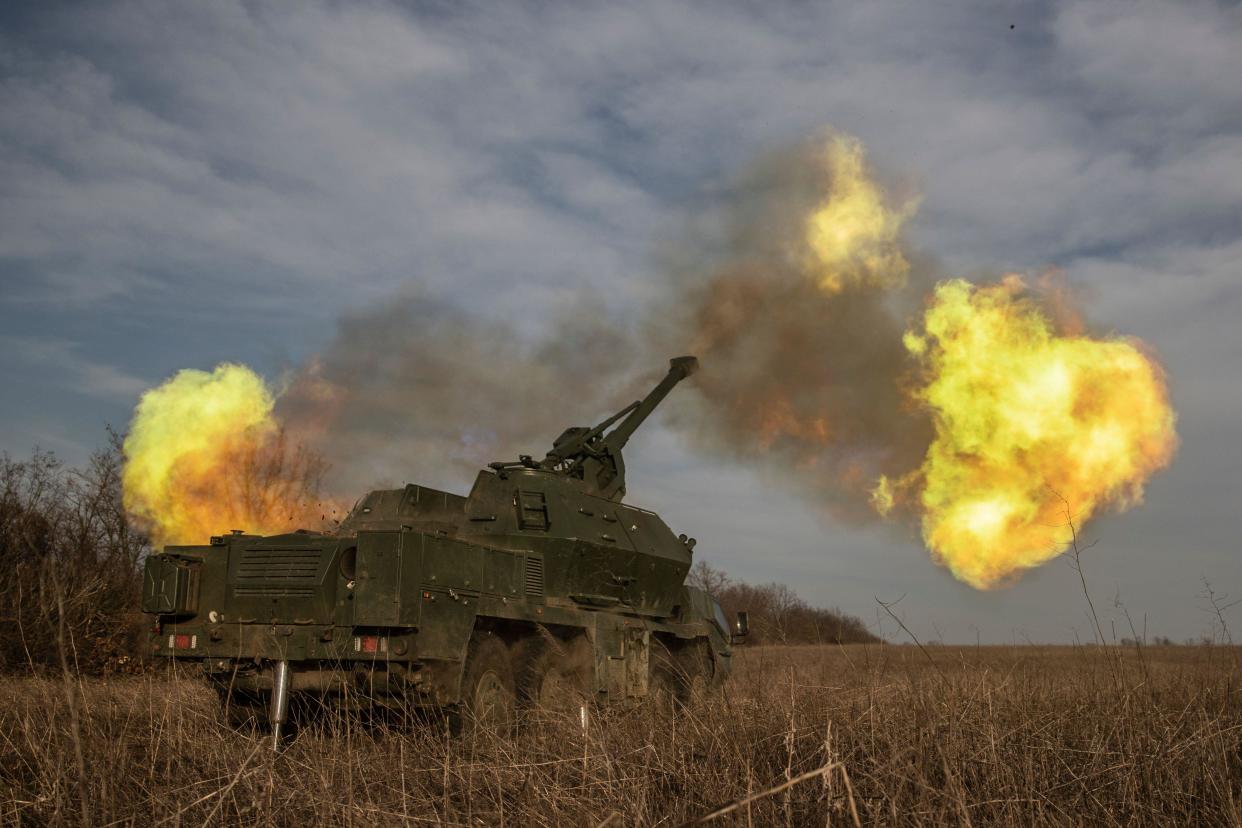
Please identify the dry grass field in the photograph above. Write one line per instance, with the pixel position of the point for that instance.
(871, 735)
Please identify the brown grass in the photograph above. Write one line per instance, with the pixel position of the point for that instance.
(992, 735)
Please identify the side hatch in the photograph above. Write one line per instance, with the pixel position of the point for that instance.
(282, 579)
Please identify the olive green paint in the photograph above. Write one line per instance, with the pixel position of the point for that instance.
(537, 548)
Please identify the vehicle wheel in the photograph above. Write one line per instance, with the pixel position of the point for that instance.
(242, 711)
(694, 664)
(668, 684)
(555, 678)
(488, 690)
(680, 675)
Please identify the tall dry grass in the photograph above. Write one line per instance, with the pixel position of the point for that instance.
(1008, 736)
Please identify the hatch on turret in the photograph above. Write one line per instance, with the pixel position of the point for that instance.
(414, 506)
(597, 552)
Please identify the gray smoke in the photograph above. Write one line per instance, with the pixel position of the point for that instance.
(421, 392)
(802, 381)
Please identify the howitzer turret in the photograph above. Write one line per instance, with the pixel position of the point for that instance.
(592, 455)
(538, 580)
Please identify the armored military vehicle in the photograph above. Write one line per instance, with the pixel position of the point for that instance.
(537, 587)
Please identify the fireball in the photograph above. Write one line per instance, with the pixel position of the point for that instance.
(1033, 429)
(853, 233)
(204, 455)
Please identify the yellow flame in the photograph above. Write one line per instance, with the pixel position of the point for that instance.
(882, 496)
(204, 455)
(1031, 428)
(853, 235)
(852, 241)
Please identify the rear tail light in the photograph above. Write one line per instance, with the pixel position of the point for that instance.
(182, 641)
(370, 644)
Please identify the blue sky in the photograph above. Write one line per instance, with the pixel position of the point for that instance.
(186, 183)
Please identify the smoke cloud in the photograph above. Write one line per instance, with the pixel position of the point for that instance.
(831, 354)
(417, 391)
(790, 302)
(802, 360)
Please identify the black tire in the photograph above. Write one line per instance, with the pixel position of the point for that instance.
(241, 710)
(667, 685)
(488, 689)
(554, 676)
(694, 662)
(680, 675)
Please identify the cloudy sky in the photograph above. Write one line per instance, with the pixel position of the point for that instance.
(186, 183)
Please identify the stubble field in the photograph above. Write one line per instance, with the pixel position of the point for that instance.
(869, 735)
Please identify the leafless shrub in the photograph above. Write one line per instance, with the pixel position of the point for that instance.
(69, 577)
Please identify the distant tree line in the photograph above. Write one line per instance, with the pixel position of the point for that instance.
(777, 614)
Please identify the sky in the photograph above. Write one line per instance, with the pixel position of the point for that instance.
(187, 183)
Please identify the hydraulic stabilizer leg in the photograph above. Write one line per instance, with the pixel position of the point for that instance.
(280, 701)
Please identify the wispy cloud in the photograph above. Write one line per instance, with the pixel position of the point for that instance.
(61, 362)
(344, 150)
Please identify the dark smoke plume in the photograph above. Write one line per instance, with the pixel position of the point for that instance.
(801, 379)
(418, 391)
(796, 377)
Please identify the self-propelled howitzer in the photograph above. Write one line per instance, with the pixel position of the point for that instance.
(538, 587)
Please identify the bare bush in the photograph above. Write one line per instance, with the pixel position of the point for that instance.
(69, 577)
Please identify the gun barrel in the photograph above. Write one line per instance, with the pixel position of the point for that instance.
(678, 369)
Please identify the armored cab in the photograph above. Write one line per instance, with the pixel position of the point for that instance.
(538, 587)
